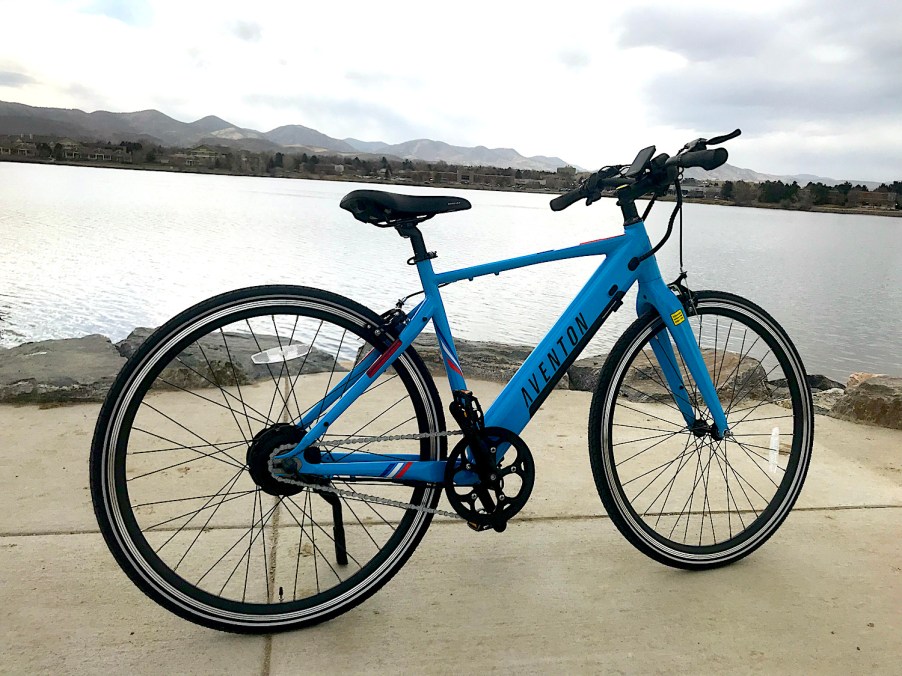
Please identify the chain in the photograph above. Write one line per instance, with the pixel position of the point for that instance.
(363, 497)
(396, 437)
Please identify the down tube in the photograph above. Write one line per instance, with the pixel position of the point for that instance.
(546, 365)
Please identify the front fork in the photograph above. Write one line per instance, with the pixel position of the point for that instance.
(656, 294)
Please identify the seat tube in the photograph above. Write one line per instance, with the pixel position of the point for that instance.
(442, 328)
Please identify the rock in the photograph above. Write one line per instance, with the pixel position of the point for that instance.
(481, 360)
(857, 378)
(816, 383)
(210, 363)
(584, 373)
(645, 381)
(876, 401)
(131, 344)
(825, 400)
(68, 370)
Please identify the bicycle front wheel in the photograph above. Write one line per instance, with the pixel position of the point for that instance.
(677, 494)
(179, 463)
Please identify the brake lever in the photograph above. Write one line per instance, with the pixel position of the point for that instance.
(725, 137)
(697, 144)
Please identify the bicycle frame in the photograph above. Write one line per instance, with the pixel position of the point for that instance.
(521, 398)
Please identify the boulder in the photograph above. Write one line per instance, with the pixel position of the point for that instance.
(645, 381)
(875, 401)
(67, 370)
(584, 373)
(816, 383)
(825, 400)
(213, 361)
(481, 360)
(134, 340)
(859, 377)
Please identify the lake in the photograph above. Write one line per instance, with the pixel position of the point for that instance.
(90, 250)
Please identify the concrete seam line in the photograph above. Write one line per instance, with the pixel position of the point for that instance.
(529, 519)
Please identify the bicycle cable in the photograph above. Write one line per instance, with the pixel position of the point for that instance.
(679, 208)
(403, 300)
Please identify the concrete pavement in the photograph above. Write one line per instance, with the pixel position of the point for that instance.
(560, 592)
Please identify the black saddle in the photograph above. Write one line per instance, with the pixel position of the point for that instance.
(388, 209)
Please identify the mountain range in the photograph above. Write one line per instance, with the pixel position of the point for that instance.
(156, 127)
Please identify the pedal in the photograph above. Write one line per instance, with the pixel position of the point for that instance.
(479, 527)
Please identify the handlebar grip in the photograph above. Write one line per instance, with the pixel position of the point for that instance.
(563, 201)
(706, 159)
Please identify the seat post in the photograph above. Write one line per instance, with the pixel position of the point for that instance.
(409, 230)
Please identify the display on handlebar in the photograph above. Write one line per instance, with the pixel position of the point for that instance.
(638, 165)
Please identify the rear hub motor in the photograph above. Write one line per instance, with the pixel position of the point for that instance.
(267, 443)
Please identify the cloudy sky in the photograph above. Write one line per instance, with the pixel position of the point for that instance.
(814, 85)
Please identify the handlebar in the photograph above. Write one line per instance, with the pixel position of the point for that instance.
(565, 200)
(655, 175)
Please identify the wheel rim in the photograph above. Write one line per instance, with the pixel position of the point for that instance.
(694, 497)
(192, 521)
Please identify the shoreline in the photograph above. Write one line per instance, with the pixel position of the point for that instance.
(67, 371)
(854, 211)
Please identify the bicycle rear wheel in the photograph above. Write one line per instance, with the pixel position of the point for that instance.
(686, 499)
(171, 468)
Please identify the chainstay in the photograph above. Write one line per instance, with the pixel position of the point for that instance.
(396, 437)
(364, 497)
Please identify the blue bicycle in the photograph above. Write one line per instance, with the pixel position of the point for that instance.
(319, 415)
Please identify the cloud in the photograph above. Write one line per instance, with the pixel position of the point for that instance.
(695, 34)
(131, 12)
(574, 59)
(818, 75)
(14, 80)
(801, 66)
(247, 31)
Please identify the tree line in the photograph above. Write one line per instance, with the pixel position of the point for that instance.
(792, 195)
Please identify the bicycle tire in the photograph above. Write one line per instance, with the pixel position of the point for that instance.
(632, 407)
(206, 398)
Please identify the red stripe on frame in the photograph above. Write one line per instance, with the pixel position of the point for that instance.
(403, 471)
(371, 371)
(453, 367)
(600, 239)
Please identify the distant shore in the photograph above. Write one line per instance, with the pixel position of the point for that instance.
(827, 209)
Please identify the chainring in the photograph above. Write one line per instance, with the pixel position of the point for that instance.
(489, 498)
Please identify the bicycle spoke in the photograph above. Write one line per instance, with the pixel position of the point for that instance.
(222, 390)
(658, 443)
(226, 393)
(178, 424)
(213, 456)
(669, 485)
(228, 444)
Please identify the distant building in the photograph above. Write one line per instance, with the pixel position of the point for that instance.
(202, 156)
(872, 200)
(25, 149)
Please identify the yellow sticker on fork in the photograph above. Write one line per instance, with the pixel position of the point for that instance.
(678, 317)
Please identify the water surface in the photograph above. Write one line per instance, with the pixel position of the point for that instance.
(89, 250)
